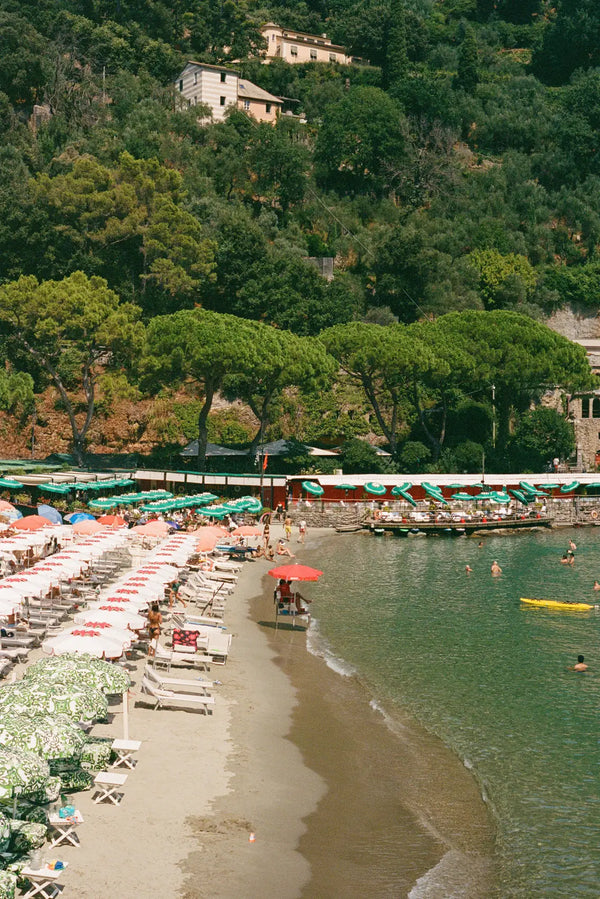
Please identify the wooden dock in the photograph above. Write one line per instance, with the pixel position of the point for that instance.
(456, 528)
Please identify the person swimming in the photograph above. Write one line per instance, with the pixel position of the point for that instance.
(495, 569)
(580, 665)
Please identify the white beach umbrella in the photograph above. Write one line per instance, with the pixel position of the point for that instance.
(121, 619)
(94, 641)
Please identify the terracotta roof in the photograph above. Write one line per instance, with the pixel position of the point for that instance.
(249, 91)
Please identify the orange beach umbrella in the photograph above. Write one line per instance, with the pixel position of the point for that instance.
(296, 572)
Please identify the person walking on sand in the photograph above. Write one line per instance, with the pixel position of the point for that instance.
(496, 570)
(154, 623)
(287, 527)
(301, 530)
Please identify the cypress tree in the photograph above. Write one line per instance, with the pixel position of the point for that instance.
(396, 57)
(467, 76)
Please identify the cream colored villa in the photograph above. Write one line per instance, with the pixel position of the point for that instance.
(296, 46)
(220, 88)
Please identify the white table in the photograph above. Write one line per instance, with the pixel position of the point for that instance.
(43, 881)
(65, 828)
(108, 784)
(125, 750)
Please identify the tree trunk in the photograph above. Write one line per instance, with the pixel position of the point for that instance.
(389, 431)
(209, 392)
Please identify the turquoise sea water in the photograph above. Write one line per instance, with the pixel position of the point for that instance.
(488, 676)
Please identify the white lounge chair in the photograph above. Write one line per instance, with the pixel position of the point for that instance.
(174, 683)
(168, 697)
(165, 658)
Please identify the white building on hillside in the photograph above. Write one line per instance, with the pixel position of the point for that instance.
(220, 89)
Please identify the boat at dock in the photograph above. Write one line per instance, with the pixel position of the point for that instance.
(457, 528)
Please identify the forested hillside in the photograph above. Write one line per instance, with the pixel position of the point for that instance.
(458, 172)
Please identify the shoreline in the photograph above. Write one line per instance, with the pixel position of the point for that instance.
(340, 800)
(350, 802)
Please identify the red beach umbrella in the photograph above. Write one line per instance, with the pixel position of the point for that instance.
(247, 530)
(32, 523)
(87, 527)
(296, 572)
(112, 521)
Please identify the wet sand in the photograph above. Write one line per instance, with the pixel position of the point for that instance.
(355, 804)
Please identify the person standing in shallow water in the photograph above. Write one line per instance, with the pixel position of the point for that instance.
(495, 569)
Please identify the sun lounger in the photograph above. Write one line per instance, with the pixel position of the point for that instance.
(163, 682)
(14, 655)
(168, 697)
(165, 658)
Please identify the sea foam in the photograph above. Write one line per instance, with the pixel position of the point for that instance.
(319, 646)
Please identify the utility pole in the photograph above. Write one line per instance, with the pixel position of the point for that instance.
(494, 416)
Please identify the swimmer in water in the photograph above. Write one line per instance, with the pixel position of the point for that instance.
(495, 569)
(572, 546)
(580, 666)
(596, 585)
(468, 569)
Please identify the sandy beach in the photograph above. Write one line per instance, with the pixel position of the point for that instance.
(293, 755)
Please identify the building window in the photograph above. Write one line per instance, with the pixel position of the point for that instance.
(246, 104)
(189, 102)
(273, 37)
(332, 57)
(223, 77)
(596, 407)
(195, 77)
(293, 51)
(313, 54)
(181, 85)
(585, 407)
(222, 101)
(268, 107)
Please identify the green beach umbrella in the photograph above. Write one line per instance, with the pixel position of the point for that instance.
(462, 497)
(345, 486)
(103, 503)
(21, 773)
(402, 490)
(54, 737)
(312, 488)
(10, 483)
(55, 488)
(501, 498)
(93, 673)
(522, 497)
(568, 488)
(374, 488)
(32, 698)
(454, 486)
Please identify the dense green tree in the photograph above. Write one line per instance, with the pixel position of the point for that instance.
(383, 360)
(520, 357)
(130, 225)
(23, 60)
(69, 329)
(359, 143)
(280, 360)
(570, 42)
(541, 435)
(201, 348)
